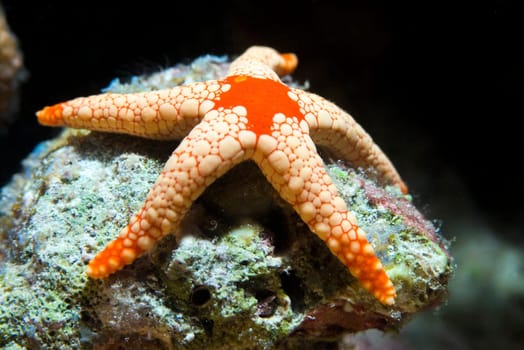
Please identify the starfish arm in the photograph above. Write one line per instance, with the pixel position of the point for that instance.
(163, 114)
(205, 154)
(289, 160)
(263, 62)
(331, 126)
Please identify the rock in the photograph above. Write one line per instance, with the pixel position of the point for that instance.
(12, 73)
(246, 274)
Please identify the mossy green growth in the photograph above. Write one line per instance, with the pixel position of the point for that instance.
(61, 216)
(414, 260)
(233, 288)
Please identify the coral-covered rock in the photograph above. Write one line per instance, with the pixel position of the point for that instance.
(12, 72)
(246, 274)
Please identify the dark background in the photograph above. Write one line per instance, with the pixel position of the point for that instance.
(438, 85)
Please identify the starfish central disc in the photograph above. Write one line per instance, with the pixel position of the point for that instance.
(262, 99)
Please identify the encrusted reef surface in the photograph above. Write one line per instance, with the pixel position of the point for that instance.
(247, 273)
(12, 73)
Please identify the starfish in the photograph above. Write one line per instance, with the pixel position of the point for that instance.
(248, 115)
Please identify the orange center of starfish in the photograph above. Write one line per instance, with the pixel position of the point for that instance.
(262, 98)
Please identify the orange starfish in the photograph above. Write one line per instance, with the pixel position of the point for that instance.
(250, 114)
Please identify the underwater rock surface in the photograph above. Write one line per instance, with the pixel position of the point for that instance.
(247, 274)
(12, 73)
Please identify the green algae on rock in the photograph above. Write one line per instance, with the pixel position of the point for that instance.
(246, 274)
